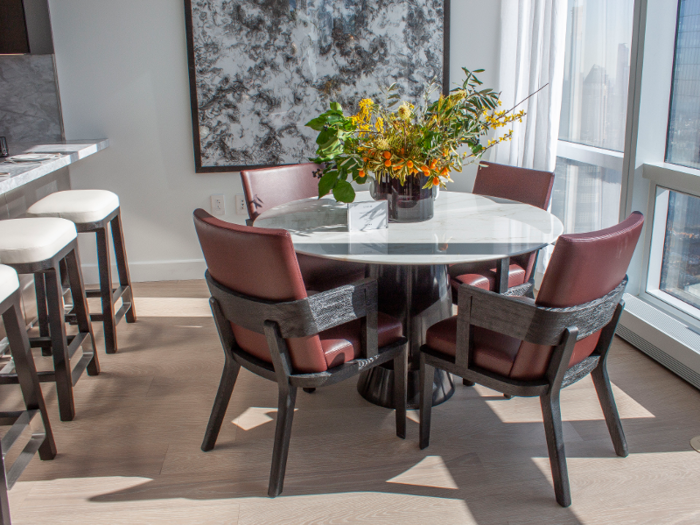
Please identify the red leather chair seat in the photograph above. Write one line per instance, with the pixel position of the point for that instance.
(339, 344)
(501, 354)
(487, 280)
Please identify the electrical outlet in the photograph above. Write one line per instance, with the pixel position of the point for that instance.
(240, 205)
(218, 205)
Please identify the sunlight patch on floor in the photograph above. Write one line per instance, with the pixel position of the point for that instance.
(577, 404)
(413, 415)
(172, 307)
(431, 471)
(254, 417)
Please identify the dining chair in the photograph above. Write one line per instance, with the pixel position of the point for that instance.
(266, 188)
(525, 347)
(518, 184)
(269, 324)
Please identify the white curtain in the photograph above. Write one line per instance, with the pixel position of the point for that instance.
(533, 44)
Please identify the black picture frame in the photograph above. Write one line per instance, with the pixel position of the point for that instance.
(200, 167)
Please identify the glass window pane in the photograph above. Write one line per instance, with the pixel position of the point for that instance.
(585, 197)
(683, 145)
(596, 73)
(680, 267)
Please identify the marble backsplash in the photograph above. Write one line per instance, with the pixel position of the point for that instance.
(29, 104)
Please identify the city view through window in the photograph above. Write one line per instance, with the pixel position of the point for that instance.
(680, 268)
(586, 197)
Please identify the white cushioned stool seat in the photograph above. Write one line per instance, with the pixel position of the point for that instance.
(9, 282)
(79, 206)
(34, 239)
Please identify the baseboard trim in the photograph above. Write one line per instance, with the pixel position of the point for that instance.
(183, 270)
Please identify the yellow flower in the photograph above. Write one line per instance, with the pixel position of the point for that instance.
(379, 125)
(404, 111)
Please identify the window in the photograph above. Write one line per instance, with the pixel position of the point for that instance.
(586, 194)
(674, 269)
(683, 145)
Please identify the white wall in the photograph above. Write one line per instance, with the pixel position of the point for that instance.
(122, 72)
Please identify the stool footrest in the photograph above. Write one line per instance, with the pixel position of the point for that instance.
(21, 423)
(116, 292)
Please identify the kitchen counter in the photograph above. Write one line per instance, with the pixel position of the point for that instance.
(14, 175)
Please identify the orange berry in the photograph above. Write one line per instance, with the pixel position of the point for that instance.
(403, 151)
(361, 174)
(387, 163)
(410, 164)
(386, 155)
(444, 172)
(433, 163)
(365, 159)
(397, 168)
(436, 181)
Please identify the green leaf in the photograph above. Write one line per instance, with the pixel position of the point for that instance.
(336, 107)
(327, 182)
(344, 192)
(317, 123)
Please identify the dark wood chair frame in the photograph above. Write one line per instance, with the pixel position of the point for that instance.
(52, 336)
(283, 320)
(26, 375)
(109, 295)
(557, 327)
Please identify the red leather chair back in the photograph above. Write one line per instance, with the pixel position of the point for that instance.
(518, 184)
(266, 188)
(260, 263)
(583, 267)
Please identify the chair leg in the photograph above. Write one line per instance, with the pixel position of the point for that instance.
(4, 500)
(59, 345)
(123, 265)
(427, 375)
(466, 382)
(607, 403)
(283, 432)
(400, 391)
(82, 314)
(42, 314)
(551, 413)
(309, 390)
(223, 396)
(104, 266)
(26, 374)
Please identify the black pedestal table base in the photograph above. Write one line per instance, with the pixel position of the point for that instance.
(420, 297)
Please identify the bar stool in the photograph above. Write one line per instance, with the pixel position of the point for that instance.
(37, 247)
(24, 374)
(93, 211)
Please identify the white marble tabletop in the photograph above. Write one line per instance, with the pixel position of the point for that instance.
(465, 228)
(16, 174)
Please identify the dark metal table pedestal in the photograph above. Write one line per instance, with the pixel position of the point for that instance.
(419, 296)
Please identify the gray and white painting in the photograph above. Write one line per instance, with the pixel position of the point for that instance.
(263, 68)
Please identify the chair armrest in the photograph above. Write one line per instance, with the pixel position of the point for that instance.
(522, 319)
(301, 318)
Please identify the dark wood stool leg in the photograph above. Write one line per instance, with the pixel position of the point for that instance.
(283, 432)
(59, 345)
(42, 314)
(123, 265)
(223, 396)
(77, 287)
(26, 373)
(466, 382)
(401, 391)
(4, 500)
(427, 375)
(553, 430)
(104, 266)
(309, 390)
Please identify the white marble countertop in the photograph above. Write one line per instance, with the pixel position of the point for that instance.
(465, 228)
(16, 174)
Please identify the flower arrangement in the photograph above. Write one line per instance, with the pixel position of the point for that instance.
(426, 142)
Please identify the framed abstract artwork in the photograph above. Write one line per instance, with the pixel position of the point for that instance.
(260, 69)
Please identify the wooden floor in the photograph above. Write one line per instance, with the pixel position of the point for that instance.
(132, 454)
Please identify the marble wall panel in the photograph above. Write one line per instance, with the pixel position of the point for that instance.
(264, 69)
(29, 104)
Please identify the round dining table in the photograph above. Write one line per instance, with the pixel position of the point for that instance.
(410, 261)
